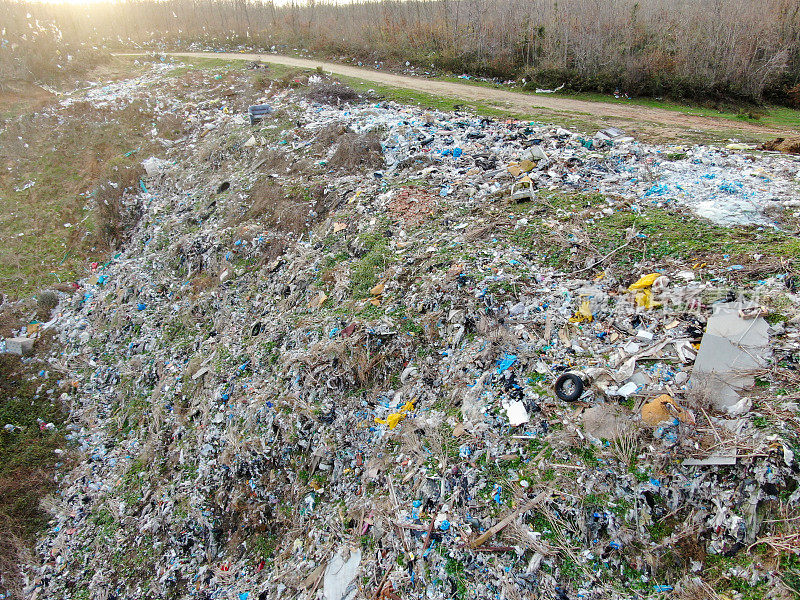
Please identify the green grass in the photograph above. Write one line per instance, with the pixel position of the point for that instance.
(27, 457)
(779, 117)
(64, 163)
(663, 233)
(366, 271)
(685, 236)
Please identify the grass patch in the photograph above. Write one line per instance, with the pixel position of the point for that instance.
(662, 233)
(27, 459)
(49, 222)
(366, 271)
(682, 235)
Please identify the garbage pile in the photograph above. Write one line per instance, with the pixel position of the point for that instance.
(321, 368)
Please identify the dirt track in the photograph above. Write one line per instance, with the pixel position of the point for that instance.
(624, 115)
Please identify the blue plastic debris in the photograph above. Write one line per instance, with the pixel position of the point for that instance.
(506, 362)
(417, 504)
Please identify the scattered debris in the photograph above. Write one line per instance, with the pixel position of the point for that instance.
(348, 341)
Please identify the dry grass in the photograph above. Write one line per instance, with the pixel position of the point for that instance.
(356, 152)
(285, 163)
(170, 126)
(281, 209)
(331, 134)
(695, 589)
(628, 442)
(46, 302)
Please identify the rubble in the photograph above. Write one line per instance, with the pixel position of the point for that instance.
(356, 392)
(22, 346)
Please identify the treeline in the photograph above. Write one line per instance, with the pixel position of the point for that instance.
(732, 49)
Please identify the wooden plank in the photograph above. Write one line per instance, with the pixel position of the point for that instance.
(489, 533)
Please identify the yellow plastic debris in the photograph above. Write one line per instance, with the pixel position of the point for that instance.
(394, 419)
(644, 282)
(377, 290)
(644, 298)
(583, 314)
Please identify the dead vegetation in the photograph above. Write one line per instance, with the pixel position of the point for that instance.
(790, 146)
(358, 152)
(114, 219)
(46, 302)
(278, 162)
(286, 209)
(331, 92)
(170, 126)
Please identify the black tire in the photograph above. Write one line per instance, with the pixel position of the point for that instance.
(569, 387)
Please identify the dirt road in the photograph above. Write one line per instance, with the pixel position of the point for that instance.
(631, 117)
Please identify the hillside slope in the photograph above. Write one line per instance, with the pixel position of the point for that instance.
(321, 364)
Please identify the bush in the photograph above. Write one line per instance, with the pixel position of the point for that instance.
(331, 92)
(356, 152)
(114, 219)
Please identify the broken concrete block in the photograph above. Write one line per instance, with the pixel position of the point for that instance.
(21, 346)
(731, 349)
